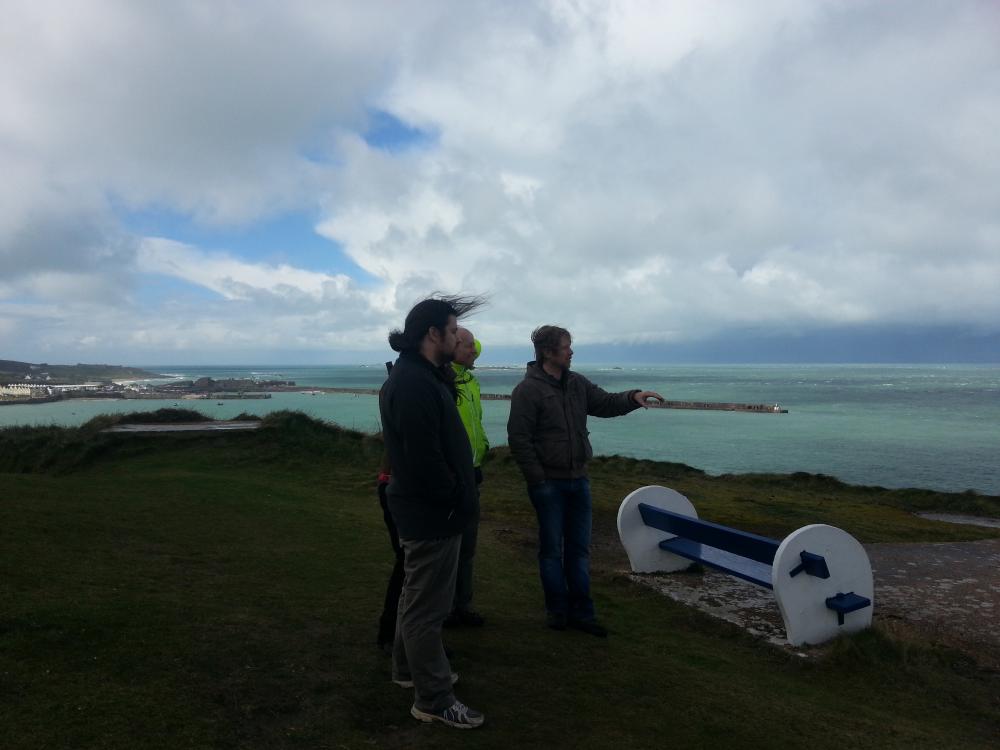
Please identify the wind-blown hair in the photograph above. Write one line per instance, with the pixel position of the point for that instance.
(547, 339)
(432, 312)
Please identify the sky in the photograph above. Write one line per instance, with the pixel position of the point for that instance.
(707, 180)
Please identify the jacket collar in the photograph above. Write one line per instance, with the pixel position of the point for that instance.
(536, 371)
(418, 359)
(462, 373)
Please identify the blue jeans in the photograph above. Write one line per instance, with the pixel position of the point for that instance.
(564, 515)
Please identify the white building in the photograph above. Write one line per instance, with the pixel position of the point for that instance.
(20, 390)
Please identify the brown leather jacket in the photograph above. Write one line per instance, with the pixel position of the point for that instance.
(547, 428)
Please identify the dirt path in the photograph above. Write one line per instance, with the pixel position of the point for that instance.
(948, 593)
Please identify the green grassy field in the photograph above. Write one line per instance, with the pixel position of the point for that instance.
(221, 591)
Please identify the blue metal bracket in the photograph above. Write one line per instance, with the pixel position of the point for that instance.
(814, 565)
(844, 603)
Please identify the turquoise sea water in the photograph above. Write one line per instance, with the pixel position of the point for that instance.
(936, 427)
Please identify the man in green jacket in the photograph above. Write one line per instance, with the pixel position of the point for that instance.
(470, 409)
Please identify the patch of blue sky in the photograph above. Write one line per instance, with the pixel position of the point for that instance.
(155, 290)
(289, 239)
(389, 133)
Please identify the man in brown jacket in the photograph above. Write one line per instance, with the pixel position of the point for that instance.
(547, 432)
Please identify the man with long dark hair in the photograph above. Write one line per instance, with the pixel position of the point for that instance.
(547, 432)
(432, 497)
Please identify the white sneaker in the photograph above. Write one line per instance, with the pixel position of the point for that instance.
(457, 715)
(408, 682)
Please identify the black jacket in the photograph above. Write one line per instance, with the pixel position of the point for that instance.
(432, 493)
(547, 427)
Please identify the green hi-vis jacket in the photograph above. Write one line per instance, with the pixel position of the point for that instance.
(470, 409)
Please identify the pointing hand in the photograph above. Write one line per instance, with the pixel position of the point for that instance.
(642, 397)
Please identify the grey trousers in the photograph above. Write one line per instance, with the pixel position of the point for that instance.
(467, 553)
(429, 567)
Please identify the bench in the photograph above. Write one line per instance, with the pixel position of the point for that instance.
(820, 575)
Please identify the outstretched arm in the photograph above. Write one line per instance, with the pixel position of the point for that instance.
(600, 403)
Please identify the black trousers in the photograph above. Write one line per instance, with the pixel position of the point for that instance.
(387, 621)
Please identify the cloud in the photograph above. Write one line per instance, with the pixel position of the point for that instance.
(205, 109)
(232, 278)
(789, 167)
(636, 171)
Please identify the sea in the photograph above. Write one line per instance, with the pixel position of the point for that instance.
(923, 426)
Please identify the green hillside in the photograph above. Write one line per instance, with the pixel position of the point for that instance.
(221, 591)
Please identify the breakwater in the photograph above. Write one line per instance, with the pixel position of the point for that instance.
(168, 395)
(721, 406)
(700, 405)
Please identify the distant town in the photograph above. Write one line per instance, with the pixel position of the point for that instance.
(26, 383)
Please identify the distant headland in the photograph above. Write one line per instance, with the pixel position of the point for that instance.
(13, 372)
(26, 383)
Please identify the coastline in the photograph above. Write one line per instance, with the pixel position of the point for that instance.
(899, 426)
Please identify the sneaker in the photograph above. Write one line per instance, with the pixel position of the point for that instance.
(408, 682)
(464, 618)
(556, 620)
(589, 626)
(457, 715)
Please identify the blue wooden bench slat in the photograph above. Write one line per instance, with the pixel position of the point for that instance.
(845, 603)
(742, 543)
(814, 565)
(741, 567)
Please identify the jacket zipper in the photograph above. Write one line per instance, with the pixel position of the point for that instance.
(569, 427)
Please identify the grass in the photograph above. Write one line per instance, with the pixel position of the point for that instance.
(221, 591)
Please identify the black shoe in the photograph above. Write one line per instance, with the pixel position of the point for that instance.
(589, 626)
(556, 620)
